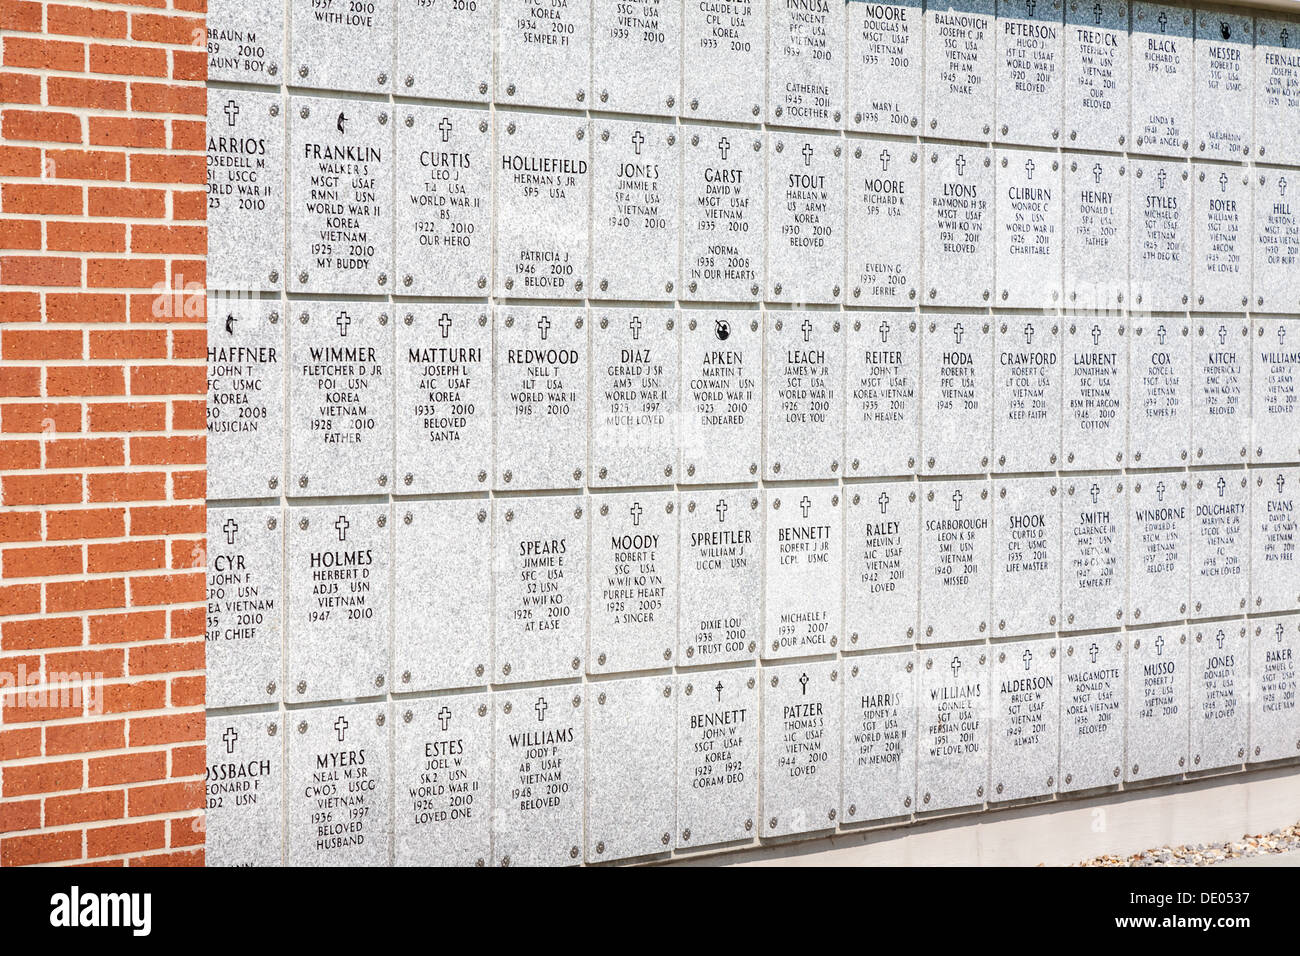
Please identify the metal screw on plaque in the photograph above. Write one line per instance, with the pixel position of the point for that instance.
(302, 688)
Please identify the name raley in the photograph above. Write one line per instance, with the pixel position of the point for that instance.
(75, 909)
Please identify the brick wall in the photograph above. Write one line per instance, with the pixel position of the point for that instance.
(102, 347)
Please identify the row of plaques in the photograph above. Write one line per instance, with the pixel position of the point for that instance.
(418, 398)
(1109, 74)
(476, 592)
(562, 774)
(414, 200)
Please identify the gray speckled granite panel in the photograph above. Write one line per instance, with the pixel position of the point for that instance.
(336, 45)
(1220, 528)
(544, 53)
(959, 226)
(1276, 276)
(801, 747)
(724, 59)
(636, 56)
(246, 40)
(459, 65)
(883, 240)
(245, 621)
(803, 581)
(805, 65)
(952, 736)
(1160, 392)
(1095, 229)
(244, 790)
(1224, 74)
(1094, 400)
(1024, 730)
(886, 67)
(721, 572)
(723, 213)
(1156, 727)
(879, 773)
(1026, 556)
(1275, 540)
(882, 525)
(805, 218)
(882, 399)
(804, 381)
(1162, 90)
(1159, 547)
(1275, 390)
(1029, 229)
(1093, 681)
(1160, 237)
(1094, 552)
(1220, 695)
(1220, 391)
(721, 424)
(717, 756)
(1277, 89)
(960, 69)
(957, 388)
(1274, 648)
(1027, 393)
(1221, 273)
(1095, 96)
(956, 561)
(1030, 72)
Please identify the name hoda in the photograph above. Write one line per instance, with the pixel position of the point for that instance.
(76, 909)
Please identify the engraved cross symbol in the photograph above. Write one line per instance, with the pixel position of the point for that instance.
(1095, 491)
(341, 526)
(805, 505)
(636, 511)
(638, 138)
(1029, 169)
(1218, 639)
(1096, 172)
(230, 527)
(1281, 186)
(540, 707)
(1097, 11)
(1160, 491)
(1223, 335)
(1096, 335)
(718, 688)
(884, 332)
(724, 146)
(543, 325)
(232, 110)
(1284, 36)
(1223, 182)
(1029, 333)
(445, 128)
(958, 331)
(1281, 334)
(807, 154)
(445, 324)
(230, 324)
(1279, 633)
(1160, 646)
(444, 717)
(1029, 6)
(884, 160)
(1163, 19)
(884, 503)
(1161, 177)
(341, 727)
(803, 682)
(1281, 483)
(961, 164)
(955, 665)
(635, 326)
(1161, 333)
(1222, 486)
(721, 509)
(1027, 657)
(343, 321)
(956, 500)
(229, 738)
(1093, 650)
(806, 329)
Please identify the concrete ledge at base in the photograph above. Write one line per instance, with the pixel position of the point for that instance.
(1059, 832)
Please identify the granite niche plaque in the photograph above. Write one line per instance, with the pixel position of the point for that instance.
(1224, 74)
(805, 405)
(1275, 390)
(443, 410)
(544, 53)
(631, 754)
(723, 215)
(1160, 393)
(1024, 751)
(1275, 540)
(338, 602)
(1163, 65)
(1221, 391)
(338, 45)
(1160, 245)
(633, 582)
(1274, 649)
(1095, 70)
(1277, 89)
(540, 743)
(1092, 712)
(720, 429)
(958, 226)
(443, 236)
(1027, 393)
(634, 390)
(717, 756)
(341, 398)
(1157, 727)
(1026, 556)
(957, 387)
(245, 190)
(1220, 543)
(960, 69)
(956, 561)
(805, 218)
(543, 204)
(243, 783)
(1159, 547)
(952, 733)
(442, 781)
(1221, 266)
(801, 747)
(1094, 386)
(245, 40)
(1095, 218)
(881, 529)
(635, 191)
(805, 65)
(459, 65)
(1094, 550)
(721, 571)
(1220, 695)
(245, 402)
(636, 56)
(884, 223)
(724, 57)
(338, 786)
(340, 196)
(886, 66)
(1030, 50)
(879, 774)
(803, 579)
(1029, 229)
(540, 570)
(245, 606)
(882, 394)
(541, 397)
(1276, 277)
(442, 627)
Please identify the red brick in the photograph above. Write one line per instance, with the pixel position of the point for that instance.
(86, 164)
(168, 168)
(170, 240)
(22, 88)
(85, 523)
(125, 698)
(127, 60)
(164, 798)
(125, 556)
(20, 160)
(126, 202)
(189, 204)
(41, 489)
(164, 450)
(40, 848)
(20, 15)
(169, 380)
(41, 344)
(125, 273)
(84, 21)
(17, 815)
(78, 93)
(82, 307)
(169, 98)
(44, 418)
(128, 628)
(157, 731)
(187, 831)
(20, 234)
(127, 768)
(44, 632)
(85, 737)
(189, 485)
(173, 519)
(20, 306)
(128, 344)
(85, 236)
(167, 657)
(40, 270)
(37, 126)
(84, 807)
(20, 599)
(128, 486)
(126, 838)
(23, 780)
(16, 455)
(128, 416)
(189, 65)
(189, 692)
(44, 561)
(84, 595)
(154, 28)
(192, 858)
(20, 526)
(39, 54)
(19, 744)
(127, 131)
(84, 380)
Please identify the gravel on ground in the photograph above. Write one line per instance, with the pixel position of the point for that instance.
(1284, 840)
